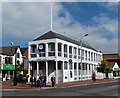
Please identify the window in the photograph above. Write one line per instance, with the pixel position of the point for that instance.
(65, 50)
(33, 48)
(89, 56)
(59, 49)
(8, 60)
(70, 51)
(85, 55)
(75, 52)
(82, 54)
(70, 66)
(78, 53)
(18, 55)
(65, 65)
(79, 66)
(18, 62)
(75, 69)
(41, 49)
(89, 67)
(51, 49)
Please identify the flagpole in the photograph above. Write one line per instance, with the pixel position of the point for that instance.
(51, 15)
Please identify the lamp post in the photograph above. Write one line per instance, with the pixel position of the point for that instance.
(81, 52)
(32, 74)
(15, 77)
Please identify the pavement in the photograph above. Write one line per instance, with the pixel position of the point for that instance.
(22, 86)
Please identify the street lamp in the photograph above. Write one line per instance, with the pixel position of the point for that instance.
(81, 52)
(15, 77)
(32, 74)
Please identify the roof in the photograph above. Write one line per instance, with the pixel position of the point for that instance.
(23, 50)
(8, 50)
(51, 34)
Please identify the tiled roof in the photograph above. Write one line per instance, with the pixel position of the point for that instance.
(8, 50)
(23, 50)
(51, 34)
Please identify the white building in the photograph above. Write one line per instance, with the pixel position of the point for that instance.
(55, 54)
(9, 57)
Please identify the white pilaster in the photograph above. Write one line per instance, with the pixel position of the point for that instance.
(29, 71)
(56, 76)
(37, 68)
(46, 50)
(56, 49)
(62, 50)
(46, 71)
(63, 70)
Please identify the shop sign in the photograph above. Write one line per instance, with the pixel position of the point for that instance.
(7, 67)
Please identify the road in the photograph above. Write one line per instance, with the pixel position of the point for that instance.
(105, 89)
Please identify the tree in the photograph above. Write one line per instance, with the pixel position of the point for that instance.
(103, 67)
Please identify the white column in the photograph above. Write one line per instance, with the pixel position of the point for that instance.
(67, 51)
(56, 49)
(29, 71)
(37, 51)
(56, 76)
(62, 51)
(63, 70)
(77, 72)
(46, 71)
(37, 67)
(46, 50)
(73, 69)
(68, 71)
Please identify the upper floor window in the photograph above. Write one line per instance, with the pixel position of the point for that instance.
(70, 51)
(75, 52)
(59, 49)
(78, 53)
(33, 48)
(89, 56)
(8, 60)
(65, 50)
(51, 49)
(85, 55)
(41, 49)
(70, 66)
(18, 55)
(82, 54)
(65, 65)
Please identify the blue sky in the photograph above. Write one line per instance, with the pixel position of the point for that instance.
(23, 22)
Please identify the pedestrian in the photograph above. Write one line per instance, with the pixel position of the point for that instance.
(44, 80)
(53, 81)
(94, 77)
(38, 80)
(35, 81)
(41, 82)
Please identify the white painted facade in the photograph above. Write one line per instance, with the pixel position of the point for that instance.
(59, 65)
(14, 59)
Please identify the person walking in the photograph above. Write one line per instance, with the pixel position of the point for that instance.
(94, 77)
(41, 82)
(44, 80)
(37, 79)
(53, 81)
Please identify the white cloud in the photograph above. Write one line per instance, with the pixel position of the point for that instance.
(30, 20)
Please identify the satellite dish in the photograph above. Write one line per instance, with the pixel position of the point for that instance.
(40, 47)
